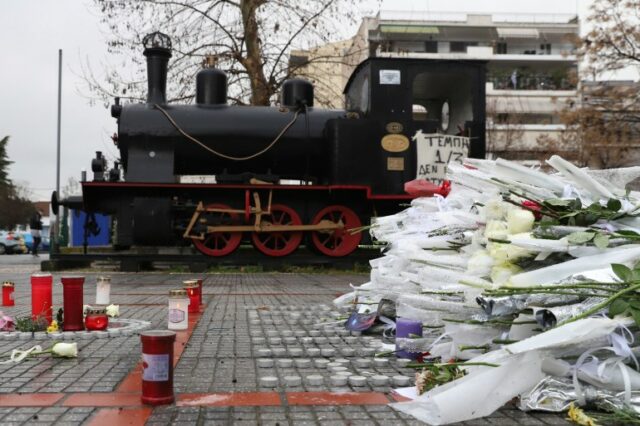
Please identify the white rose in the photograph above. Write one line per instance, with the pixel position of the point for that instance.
(520, 220)
(506, 253)
(480, 263)
(500, 274)
(496, 229)
(67, 350)
(113, 311)
(496, 209)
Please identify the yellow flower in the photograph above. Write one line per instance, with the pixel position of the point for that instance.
(579, 417)
(53, 327)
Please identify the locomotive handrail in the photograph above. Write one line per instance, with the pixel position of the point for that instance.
(219, 154)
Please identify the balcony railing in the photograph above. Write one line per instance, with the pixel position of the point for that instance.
(529, 81)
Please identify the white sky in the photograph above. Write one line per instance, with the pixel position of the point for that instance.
(32, 31)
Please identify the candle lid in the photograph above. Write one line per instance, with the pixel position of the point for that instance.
(8, 284)
(190, 283)
(177, 292)
(105, 279)
(96, 310)
(157, 336)
(41, 274)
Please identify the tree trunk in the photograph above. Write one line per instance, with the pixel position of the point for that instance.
(260, 90)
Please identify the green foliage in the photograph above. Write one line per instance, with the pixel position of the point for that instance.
(60, 318)
(628, 303)
(437, 374)
(14, 208)
(573, 213)
(4, 163)
(31, 325)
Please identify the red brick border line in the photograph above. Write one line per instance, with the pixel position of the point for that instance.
(30, 399)
(231, 399)
(336, 398)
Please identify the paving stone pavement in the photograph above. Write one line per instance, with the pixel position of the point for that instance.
(253, 326)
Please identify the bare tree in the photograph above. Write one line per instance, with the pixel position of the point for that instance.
(614, 40)
(72, 187)
(249, 39)
(603, 125)
(504, 130)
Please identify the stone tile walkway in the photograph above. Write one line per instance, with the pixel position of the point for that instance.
(251, 327)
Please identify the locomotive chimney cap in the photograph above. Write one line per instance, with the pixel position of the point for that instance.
(157, 40)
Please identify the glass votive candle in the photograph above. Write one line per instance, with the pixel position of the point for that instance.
(103, 290)
(96, 319)
(191, 287)
(178, 310)
(7, 293)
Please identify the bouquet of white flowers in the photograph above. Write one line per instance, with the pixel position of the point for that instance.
(513, 271)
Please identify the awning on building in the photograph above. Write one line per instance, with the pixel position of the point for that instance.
(409, 29)
(518, 33)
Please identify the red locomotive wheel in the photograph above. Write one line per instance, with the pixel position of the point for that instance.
(218, 244)
(339, 242)
(278, 244)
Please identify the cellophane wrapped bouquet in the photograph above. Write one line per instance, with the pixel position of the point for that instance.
(527, 284)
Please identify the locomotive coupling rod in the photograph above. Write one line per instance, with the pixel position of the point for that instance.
(325, 225)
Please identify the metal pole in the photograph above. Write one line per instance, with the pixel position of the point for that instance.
(56, 228)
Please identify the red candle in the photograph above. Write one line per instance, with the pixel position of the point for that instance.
(191, 287)
(200, 290)
(41, 296)
(7, 293)
(72, 302)
(157, 366)
(96, 319)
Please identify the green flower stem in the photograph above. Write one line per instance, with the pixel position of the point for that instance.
(552, 292)
(504, 341)
(385, 354)
(603, 285)
(471, 347)
(453, 364)
(544, 211)
(603, 304)
(443, 293)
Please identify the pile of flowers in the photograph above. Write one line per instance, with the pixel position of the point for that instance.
(527, 285)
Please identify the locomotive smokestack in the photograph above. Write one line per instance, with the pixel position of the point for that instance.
(157, 49)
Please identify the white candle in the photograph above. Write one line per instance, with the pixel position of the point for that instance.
(178, 310)
(103, 291)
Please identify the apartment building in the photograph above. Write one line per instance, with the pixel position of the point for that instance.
(531, 65)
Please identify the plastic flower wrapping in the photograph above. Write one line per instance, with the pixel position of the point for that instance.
(527, 284)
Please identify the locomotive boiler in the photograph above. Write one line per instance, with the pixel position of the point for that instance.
(215, 175)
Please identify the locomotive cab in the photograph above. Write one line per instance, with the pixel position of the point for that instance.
(416, 116)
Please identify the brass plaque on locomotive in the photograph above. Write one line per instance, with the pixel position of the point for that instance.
(394, 127)
(395, 143)
(395, 164)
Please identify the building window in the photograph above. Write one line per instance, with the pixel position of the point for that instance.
(297, 61)
(458, 47)
(501, 48)
(431, 46)
(419, 112)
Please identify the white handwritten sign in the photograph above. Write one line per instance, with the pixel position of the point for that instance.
(435, 151)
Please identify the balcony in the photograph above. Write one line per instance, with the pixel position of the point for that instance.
(560, 80)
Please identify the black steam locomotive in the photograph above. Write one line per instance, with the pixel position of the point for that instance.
(214, 174)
